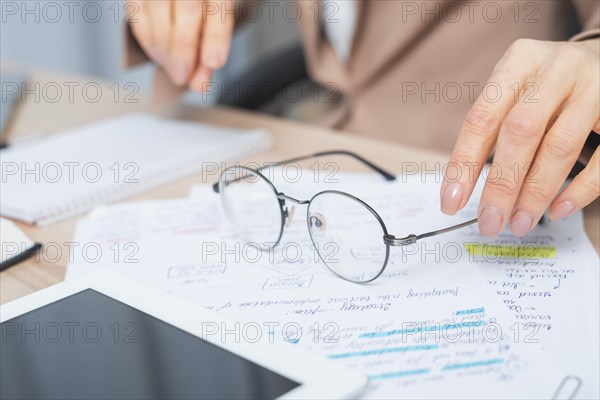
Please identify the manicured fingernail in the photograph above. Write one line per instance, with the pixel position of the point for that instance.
(451, 198)
(213, 59)
(181, 73)
(490, 221)
(562, 210)
(521, 222)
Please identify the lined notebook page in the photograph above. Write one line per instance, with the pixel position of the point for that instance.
(70, 173)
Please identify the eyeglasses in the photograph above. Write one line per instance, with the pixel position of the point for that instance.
(348, 235)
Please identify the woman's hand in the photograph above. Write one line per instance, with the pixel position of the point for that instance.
(188, 38)
(543, 100)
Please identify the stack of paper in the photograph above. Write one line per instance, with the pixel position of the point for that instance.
(455, 316)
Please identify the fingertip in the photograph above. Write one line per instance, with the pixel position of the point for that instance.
(491, 221)
(160, 57)
(521, 223)
(179, 72)
(213, 58)
(201, 78)
(561, 210)
(451, 198)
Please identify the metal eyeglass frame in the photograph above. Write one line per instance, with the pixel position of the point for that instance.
(388, 239)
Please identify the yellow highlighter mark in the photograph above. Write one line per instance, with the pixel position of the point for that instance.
(494, 250)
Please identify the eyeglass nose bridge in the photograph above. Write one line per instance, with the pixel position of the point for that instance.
(283, 196)
(288, 214)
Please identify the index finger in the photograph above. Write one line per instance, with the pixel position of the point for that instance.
(217, 34)
(480, 130)
(185, 40)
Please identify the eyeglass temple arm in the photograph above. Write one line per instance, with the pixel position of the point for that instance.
(386, 175)
(410, 239)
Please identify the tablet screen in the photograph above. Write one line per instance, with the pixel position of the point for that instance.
(89, 345)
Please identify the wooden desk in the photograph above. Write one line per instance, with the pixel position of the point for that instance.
(291, 139)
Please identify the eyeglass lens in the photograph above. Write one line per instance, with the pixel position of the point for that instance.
(251, 205)
(334, 219)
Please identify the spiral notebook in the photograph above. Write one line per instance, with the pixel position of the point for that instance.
(67, 174)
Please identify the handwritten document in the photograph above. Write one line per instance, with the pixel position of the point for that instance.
(451, 316)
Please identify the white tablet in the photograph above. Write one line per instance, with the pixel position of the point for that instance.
(106, 336)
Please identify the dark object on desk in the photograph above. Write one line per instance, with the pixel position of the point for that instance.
(276, 71)
(591, 144)
(22, 256)
(125, 354)
(15, 246)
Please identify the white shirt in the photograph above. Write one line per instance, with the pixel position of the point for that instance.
(339, 21)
